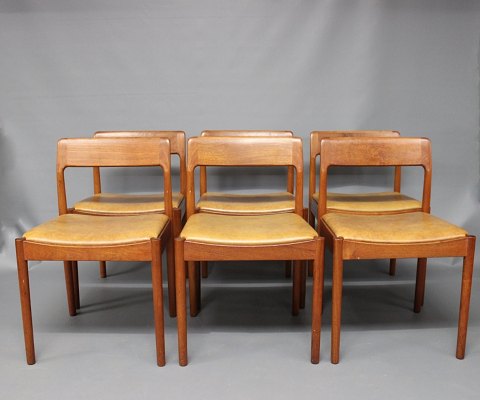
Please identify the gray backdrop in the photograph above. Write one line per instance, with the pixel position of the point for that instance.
(69, 68)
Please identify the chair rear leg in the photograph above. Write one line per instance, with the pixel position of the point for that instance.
(76, 284)
(194, 286)
(303, 285)
(311, 221)
(288, 269)
(465, 298)
(102, 267)
(204, 267)
(172, 306)
(296, 286)
(420, 284)
(24, 286)
(69, 284)
(393, 267)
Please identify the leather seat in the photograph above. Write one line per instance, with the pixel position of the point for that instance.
(89, 230)
(414, 227)
(247, 230)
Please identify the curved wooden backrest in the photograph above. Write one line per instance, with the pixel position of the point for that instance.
(316, 138)
(113, 152)
(242, 133)
(244, 151)
(177, 146)
(376, 151)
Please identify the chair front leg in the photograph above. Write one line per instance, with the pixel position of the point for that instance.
(337, 286)
(157, 289)
(181, 293)
(317, 301)
(24, 286)
(465, 298)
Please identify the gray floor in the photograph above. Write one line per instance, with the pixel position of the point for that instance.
(244, 344)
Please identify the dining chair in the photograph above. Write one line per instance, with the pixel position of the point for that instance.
(246, 204)
(105, 203)
(406, 235)
(221, 237)
(389, 202)
(79, 237)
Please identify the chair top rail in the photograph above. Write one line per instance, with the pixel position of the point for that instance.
(118, 152)
(244, 151)
(246, 133)
(177, 138)
(375, 151)
(316, 137)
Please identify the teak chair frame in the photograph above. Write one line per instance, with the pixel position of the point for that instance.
(388, 152)
(316, 210)
(222, 151)
(97, 153)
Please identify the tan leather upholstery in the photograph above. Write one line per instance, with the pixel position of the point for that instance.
(370, 202)
(247, 229)
(260, 203)
(112, 203)
(399, 228)
(85, 230)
